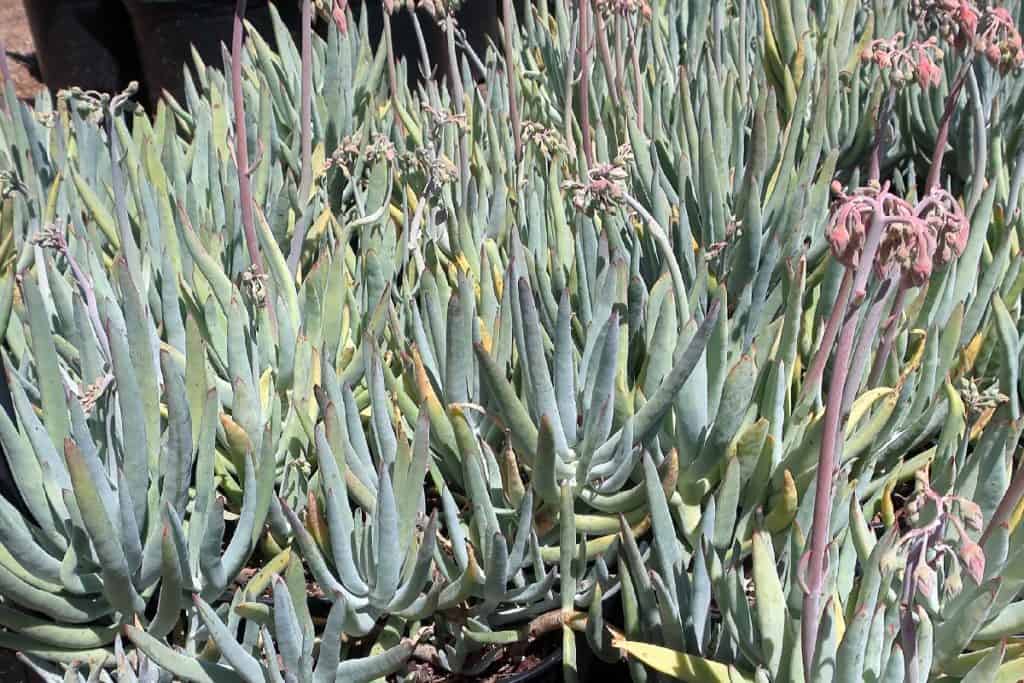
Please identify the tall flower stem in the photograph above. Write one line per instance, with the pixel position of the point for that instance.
(881, 135)
(830, 447)
(817, 367)
(605, 53)
(888, 338)
(389, 45)
(5, 74)
(584, 50)
(508, 17)
(865, 340)
(306, 104)
(459, 95)
(815, 572)
(242, 144)
(943, 136)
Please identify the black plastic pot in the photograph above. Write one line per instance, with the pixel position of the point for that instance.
(548, 670)
(85, 43)
(167, 29)
(105, 44)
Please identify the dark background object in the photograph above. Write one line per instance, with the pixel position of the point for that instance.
(87, 43)
(105, 44)
(165, 30)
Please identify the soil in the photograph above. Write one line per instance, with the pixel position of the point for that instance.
(20, 54)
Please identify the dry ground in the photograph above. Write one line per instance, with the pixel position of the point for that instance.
(17, 41)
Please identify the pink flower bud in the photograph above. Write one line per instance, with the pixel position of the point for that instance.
(974, 561)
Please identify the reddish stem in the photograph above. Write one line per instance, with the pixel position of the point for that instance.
(830, 445)
(606, 55)
(584, 50)
(241, 143)
(865, 340)
(5, 74)
(817, 367)
(811, 617)
(513, 103)
(943, 136)
(307, 101)
(890, 336)
(875, 170)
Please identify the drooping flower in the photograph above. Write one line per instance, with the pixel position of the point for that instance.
(906, 251)
(955, 20)
(917, 61)
(603, 190)
(1000, 41)
(947, 222)
(966, 17)
(928, 73)
(848, 227)
(852, 217)
(914, 240)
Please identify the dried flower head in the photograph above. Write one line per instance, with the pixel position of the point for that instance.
(91, 394)
(10, 184)
(95, 105)
(623, 8)
(547, 140)
(344, 156)
(50, 237)
(977, 400)
(442, 117)
(603, 190)
(381, 149)
(917, 61)
(439, 9)
(253, 284)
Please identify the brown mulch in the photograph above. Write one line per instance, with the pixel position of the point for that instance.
(17, 42)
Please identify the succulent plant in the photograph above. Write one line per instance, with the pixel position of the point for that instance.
(711, 310)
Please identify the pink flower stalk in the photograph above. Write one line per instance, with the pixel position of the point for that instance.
(338, 14)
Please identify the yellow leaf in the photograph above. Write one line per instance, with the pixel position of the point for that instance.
(682, 666)
(266, 386)
(970, 353)
(837, 616)
(863, 404)
(783, 505)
